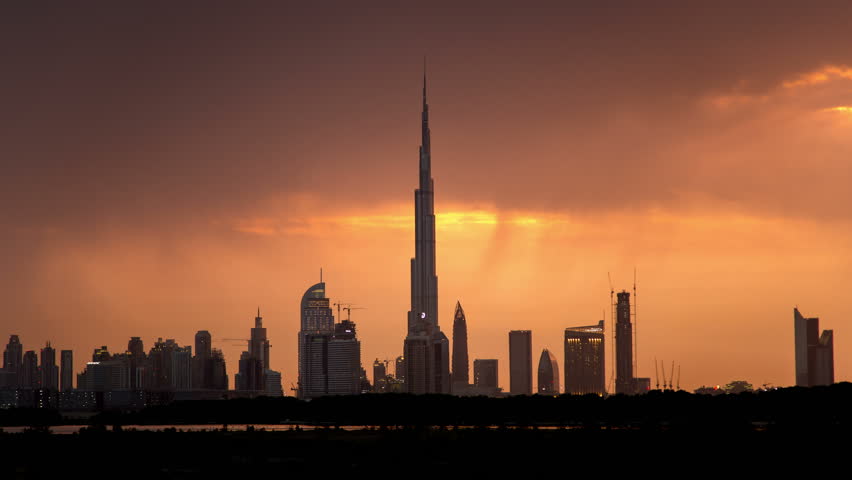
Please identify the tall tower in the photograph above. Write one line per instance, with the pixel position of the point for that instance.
(814, 352)
(623, 346)
(317, 328)
(426, 348)
(520, 362)
(259, 346)
(49, 372)
(66, 372)
(461, 366)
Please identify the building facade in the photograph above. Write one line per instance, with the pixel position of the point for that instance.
(66, 370)
(520, 362)
(485, 373)
(584, 360)
(814, 353)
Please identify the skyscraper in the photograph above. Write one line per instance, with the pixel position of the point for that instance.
(13, 357)
(814, 352)
(259, 345)
(48, 371)
(584, 360)
(202, 361)
(344, 360)
(624, 346)
(426, 348)
(548, 374)
(379, 376)
(66, 370)
(485, 373)
(29, 377)
(520, 362)
(317, 328)
(460, 362)
(254, 363)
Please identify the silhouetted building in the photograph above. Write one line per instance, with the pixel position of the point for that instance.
(273, 383)
(104, 376)
(584, 360)
(379, 375)
(548, 374)
(135, 347)
(218, 379)
(48, 371)
(624, 346)
(136, 363)
(168, 367)
(66, 370)
(254, 362)
(814, 352)
(101, 354)
(317, 328)
(399, 369)
(461, 366)
(202, 361)
(485, 373)
(29, 377)
(259, 345)
(344, 361)
(13, 357)
(520, 362)
(426, 348)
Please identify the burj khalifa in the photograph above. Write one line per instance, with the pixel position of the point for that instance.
(426, 349)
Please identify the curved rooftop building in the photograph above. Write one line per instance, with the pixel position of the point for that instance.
(548, 374)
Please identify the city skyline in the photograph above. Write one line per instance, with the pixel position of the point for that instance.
(154, 192)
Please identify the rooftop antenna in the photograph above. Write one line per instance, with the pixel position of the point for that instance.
(635, 330)
(320, 274)
(612, 321)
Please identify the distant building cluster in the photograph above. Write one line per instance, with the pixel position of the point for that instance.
(134, 378)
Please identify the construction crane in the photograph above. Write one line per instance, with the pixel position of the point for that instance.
(678, 377)
(671, 377)
(663, 367)
(656, 373)
(349, 311)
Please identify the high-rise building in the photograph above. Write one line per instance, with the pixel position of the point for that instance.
(344, 360)
(520, 362)
(66, 370)
(29, 377)
(624, 382)
(273, 383)
(12, 363)
(135, 347)
(259, 345)
(48, 371)
(254, 363)
(317, 328)
(814, 352)
(426, 348)
(460, 362)
(548, 374)
(13, 355)
(584, 360)
(136, 363)
(485, 373)
(202, 361)
(399, 368)
(379, 376)
(218, 379)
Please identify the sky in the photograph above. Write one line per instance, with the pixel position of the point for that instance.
(171, 168)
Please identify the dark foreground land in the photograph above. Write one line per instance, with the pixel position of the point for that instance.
(676, 434)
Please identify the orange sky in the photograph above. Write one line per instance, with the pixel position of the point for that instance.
(169, 171)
